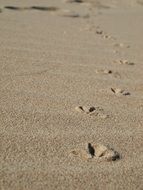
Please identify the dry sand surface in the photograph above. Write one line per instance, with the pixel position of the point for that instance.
(71, 86)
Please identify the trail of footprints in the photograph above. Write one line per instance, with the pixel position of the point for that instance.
(92, 151)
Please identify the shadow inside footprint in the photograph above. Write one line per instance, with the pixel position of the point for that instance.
(91, 109)
(91, 149)
(99, 31)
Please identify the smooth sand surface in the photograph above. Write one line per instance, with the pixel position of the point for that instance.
(52, 61)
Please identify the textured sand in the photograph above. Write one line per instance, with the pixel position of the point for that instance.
(48, 66)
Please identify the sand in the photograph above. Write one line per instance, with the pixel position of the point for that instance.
(56, 56)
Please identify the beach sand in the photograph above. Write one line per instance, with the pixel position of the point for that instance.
(57, 55)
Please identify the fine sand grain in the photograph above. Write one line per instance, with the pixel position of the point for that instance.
(71, 73)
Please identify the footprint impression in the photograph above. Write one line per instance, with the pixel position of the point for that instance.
(103, 34)
(94, 111)
(121, 45)
(108, 72)
(95, 152)
(118, 91)
(124, 62)
(104, 71)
